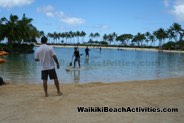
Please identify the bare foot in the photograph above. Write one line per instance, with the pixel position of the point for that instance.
(59, 93)
(46, 95)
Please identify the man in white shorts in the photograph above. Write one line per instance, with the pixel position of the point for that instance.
(46, 55)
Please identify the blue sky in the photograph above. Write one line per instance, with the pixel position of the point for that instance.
(102, 16)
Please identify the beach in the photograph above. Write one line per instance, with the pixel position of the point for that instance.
(25, 103)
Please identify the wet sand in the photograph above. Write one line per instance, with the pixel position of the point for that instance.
(25, 103)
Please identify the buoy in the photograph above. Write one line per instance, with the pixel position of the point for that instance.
(2, 61)
(2, 53)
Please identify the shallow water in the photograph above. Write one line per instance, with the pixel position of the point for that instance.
(108, 66)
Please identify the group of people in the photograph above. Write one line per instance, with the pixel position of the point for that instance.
(46, 55)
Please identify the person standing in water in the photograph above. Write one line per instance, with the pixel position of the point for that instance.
(87, 52)
(46, 55)
(76, 54)
(100, 50)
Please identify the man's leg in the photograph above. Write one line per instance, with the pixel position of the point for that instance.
(75, 62)
(44, 77)
(45, 87)
(79, 62)
(53, 75)
(57, 86)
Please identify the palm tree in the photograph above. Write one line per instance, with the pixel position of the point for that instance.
(114, 35)
(16, 30)
(50, 36)
(61, 35)
(160, 35)
(78, 35)
(171, 34)
(2, 28)
(91, 35)
(181, 34)
(55, 37)
(10, 28)
(41, 33)
(147, 36)
(96, 35)
(25, 28)
(110, 38)
(83, 34)
(105, 37)
(71, 35)
(152, 39)
(177, 31)
(139, 38)
(124, 38)
(67, 36)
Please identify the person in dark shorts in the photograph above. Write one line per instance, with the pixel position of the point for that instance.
(100, 50)
(87, 52)
(46, 55)
(76, 54)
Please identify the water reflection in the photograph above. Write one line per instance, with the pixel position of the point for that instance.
(77, 76)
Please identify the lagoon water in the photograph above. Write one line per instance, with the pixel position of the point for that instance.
(108, 66)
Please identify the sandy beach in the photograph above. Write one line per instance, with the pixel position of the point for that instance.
(25, 103)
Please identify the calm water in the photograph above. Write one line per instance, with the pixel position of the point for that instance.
(107, 66)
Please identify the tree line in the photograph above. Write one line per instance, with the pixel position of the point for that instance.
(17, 30)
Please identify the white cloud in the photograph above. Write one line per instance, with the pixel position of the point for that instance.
(14, 3)
(48, 10)
(72, 20)
(178, 10)
(51, 12)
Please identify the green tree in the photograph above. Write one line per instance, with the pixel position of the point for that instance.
(96, 35)
(114, 36)
(147, 37)
(152, 38)
(139, 38)
(160, 34)
(105, 37)
(83, 34)
(124, 38)
(78, 34)
(177, 30)
(16, 30)
(10, 29)
(91, 35)
(110, 38)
